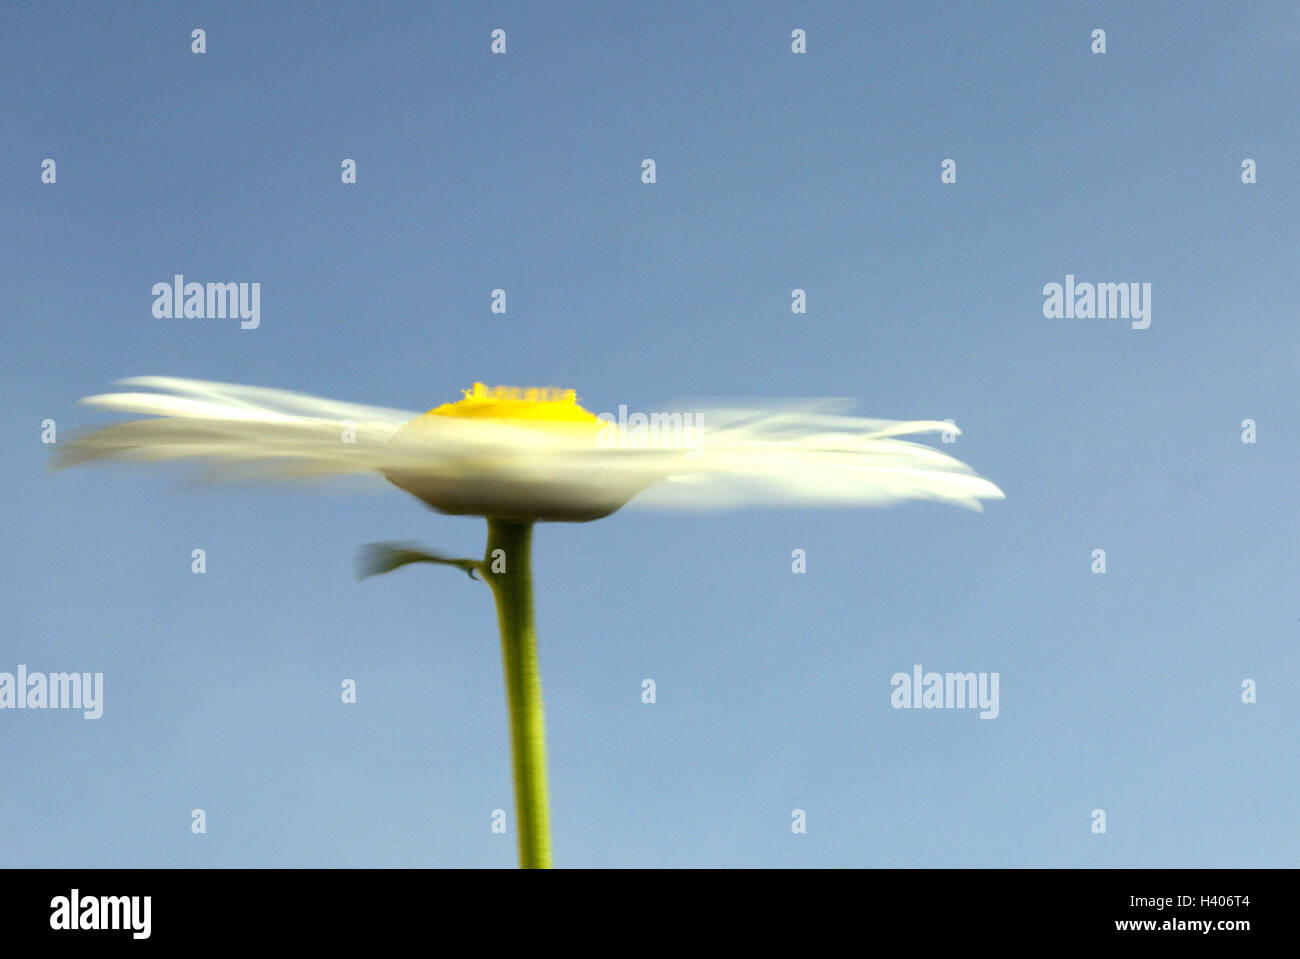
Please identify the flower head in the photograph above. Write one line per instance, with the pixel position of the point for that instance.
(533, 454)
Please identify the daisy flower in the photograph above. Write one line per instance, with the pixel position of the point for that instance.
(521, 456)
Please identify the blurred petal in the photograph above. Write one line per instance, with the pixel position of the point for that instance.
(243, 432)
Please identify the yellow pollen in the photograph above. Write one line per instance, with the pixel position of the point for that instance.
(517, 403)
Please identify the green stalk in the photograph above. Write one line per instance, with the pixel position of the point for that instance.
(512, 588)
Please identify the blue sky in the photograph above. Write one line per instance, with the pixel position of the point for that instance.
(775, 171)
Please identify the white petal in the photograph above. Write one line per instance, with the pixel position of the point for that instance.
(775, 453)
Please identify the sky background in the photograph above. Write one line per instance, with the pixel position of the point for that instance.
(775, 171)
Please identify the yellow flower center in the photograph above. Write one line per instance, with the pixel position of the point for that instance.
(515, 403)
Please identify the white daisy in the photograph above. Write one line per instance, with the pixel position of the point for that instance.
(517, 457)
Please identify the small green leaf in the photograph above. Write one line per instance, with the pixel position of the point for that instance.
(375, 559)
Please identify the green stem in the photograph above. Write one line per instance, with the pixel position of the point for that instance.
(510, 575)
